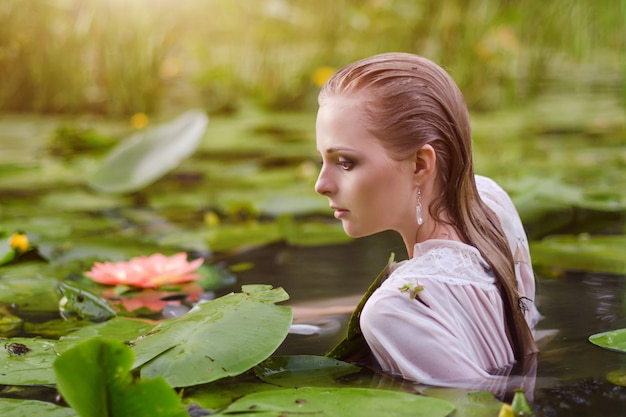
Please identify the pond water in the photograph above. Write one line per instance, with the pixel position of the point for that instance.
(265, 161)
(571, 372)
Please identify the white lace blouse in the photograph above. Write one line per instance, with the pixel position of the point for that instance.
(455, 332)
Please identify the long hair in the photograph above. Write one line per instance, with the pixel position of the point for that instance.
(409, 102)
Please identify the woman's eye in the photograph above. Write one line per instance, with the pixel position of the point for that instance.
(345, 164)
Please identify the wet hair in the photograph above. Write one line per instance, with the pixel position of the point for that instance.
(409, 101)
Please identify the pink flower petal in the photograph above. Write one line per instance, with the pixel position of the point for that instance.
(146, 272)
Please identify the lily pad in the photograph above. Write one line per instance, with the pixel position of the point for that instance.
(549, 206)
(582, 253)
(10, 324)
(219, 338)
(303, 370)
(218, 395)
(311, 234)
(147, 155)
(11, 407)
(468, 403)
(338, 402)
(237, 236)
(111, 391)
(613, 340)
(617, 377)
(29, 294)
(26, 361)
(53, 329)
(7, 253)
(122, 329)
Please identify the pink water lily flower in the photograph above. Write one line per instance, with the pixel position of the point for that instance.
(146, 272)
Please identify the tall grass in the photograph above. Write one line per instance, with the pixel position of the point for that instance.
(76, 56)
(121, 57)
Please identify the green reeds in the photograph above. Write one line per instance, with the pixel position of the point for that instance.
(121, 57)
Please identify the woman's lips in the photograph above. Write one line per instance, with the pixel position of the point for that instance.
(339, 213)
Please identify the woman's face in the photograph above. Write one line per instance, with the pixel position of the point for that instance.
(368, 190)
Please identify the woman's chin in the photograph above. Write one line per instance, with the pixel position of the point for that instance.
(354, 232)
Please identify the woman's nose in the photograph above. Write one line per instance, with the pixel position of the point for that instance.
(323, 185)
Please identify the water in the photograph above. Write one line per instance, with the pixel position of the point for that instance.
(571, 372)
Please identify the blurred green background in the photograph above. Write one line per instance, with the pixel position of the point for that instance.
(121, 57)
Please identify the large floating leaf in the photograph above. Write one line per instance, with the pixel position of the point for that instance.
(147, 155)
(219, 338)
(122, 329)
(612, 340)
(10, 324)
(617, 377)
(311, 234)
(94, 378)
(55, 328)
(303, 370)
(582, 253)
(25, 361)
(468, 403)
(10, 407)
(220, 394)
(338, 402)
(547, 206)
(7, 253)
(30, 294)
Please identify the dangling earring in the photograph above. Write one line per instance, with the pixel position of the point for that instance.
(418, 207)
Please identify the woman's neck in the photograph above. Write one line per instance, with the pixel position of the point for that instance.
(429, 231)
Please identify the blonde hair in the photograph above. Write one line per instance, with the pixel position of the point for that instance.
(409, 101)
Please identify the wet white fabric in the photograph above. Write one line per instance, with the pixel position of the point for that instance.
(454, 333)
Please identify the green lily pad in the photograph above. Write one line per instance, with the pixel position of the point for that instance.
(468, 403)
(27, 291)
(303, 370)
(311, 234)
(147, 155)
(613, 340)
(617, 377)
(10, 324)
(122, 329)
(549, 205)
(583, 253)
(111, 391)
(218, 395)
(11, 407)
(236, 236)
(7, 253)
(26, 361)
(338, 402)
(219, 338)
(53, 329)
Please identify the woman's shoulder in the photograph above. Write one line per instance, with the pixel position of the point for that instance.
(500, 202)
(445, 262)
(492, 192)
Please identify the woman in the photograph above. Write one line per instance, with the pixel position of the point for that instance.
(394, 134)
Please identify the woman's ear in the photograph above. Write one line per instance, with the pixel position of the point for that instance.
(425, 163)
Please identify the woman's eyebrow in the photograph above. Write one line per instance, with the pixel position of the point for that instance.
(338, 149)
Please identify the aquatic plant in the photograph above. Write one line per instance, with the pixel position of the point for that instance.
(146, 271)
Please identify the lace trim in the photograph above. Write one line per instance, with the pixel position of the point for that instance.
(452, 265)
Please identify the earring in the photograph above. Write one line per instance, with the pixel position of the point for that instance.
(418, 207)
